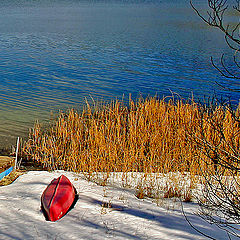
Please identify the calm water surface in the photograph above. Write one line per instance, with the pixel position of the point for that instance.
(54, 54)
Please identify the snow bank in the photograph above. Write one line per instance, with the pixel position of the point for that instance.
(100, 213)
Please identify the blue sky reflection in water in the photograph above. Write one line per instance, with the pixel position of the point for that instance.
(53, 54)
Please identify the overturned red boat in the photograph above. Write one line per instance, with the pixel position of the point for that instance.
(58, 198)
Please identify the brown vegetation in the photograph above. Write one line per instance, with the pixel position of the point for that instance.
(149, 135)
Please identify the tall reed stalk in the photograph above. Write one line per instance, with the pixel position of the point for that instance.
(150, 135)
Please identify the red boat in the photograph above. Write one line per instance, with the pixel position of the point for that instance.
(58, 198)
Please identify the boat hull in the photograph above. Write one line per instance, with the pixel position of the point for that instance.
(5, 173)
(58, 198)
(6, 166)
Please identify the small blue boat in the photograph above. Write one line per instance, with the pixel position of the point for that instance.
(5, 173)
(6, 166)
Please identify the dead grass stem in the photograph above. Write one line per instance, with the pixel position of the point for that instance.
(148, 135)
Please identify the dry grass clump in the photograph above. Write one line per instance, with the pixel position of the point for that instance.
(10, 178)
(150, 135)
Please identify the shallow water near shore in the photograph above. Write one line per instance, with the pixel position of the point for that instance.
(54, 54)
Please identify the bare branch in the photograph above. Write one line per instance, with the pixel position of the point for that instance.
(228, 74)
(237, 6)
(216, 19)
(189, 222)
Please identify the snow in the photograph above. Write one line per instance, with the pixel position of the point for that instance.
(101, 212)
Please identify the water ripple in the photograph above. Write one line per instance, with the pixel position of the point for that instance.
(54, 54)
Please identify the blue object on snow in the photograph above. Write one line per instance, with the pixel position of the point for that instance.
(5, 173)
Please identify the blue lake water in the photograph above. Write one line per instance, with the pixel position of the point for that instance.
(54, 54)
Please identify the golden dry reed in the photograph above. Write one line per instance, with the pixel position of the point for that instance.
(149, 135)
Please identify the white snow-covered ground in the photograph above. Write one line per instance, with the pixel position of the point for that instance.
(100, 213)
